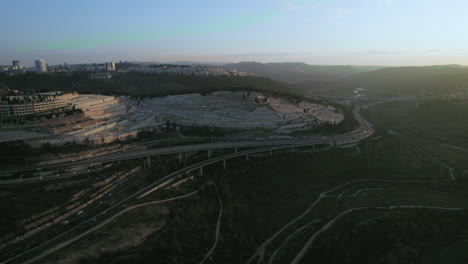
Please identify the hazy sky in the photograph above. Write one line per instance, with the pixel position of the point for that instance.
(365, 32)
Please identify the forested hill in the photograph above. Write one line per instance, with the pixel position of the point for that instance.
(401, 81)
(296, 72)
(143, 84)
(393, 81)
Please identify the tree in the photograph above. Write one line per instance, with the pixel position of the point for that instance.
(168, 126)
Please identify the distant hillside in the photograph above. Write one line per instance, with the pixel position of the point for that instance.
(215, 63)
(298, 72)
(429, 80)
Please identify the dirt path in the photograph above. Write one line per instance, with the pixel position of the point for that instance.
(218, 228)
(332, 222)
(260, 252)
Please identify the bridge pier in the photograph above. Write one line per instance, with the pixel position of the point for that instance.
(224, 164)
(201, 171)
(148, 161)
(247, 156)
(209, 153)
(180, 157)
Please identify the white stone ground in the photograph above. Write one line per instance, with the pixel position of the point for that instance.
(232, 110)
(122, 116)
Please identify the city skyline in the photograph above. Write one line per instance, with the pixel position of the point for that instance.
(365, 32)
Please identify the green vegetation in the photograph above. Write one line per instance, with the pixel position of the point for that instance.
(14, 153)
(403, 81)
(172, 232)
(143, 84)
(439, 127)
(262, 194)
(453, 253)
(334, 80)
(407, 196)
(297, 72)
(399, 236)
(441, 121)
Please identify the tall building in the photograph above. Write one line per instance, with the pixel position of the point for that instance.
(41, 66)
(17, 64)
(110, 66)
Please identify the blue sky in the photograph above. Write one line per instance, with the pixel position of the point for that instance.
(364, 32)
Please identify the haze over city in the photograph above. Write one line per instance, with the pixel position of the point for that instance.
(361, 32)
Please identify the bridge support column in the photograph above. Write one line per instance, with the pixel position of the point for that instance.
(224, 164)
(180, 157)
(201, 171)
(148, 161)
(247, 156)
(235, 149)
(209, 153)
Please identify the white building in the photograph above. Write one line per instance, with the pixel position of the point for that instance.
(17, 64)
(41, 66)
(110, 66)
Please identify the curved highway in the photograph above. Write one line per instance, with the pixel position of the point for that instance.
(258, 146)
(365, 129)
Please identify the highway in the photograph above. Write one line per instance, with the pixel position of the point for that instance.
(255, 146)
(108, 212)
(365, 129)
